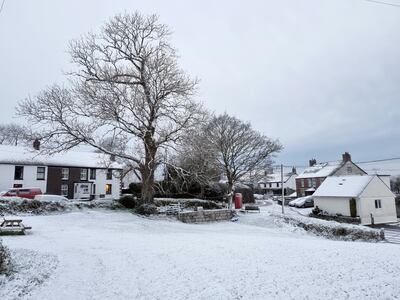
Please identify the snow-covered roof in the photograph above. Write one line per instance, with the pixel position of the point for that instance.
(26, 156)
(276, 177)
(321, 169)
(343, 186)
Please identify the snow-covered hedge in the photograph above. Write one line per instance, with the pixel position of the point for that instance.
(334, 230)
(5, 259)
(15, 206)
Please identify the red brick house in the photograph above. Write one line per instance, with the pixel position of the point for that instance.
(312, 177)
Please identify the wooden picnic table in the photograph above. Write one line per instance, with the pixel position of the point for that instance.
(11, 223)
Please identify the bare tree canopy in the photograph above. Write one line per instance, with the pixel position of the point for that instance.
(239, 149)
(14, 134)
(127, 87)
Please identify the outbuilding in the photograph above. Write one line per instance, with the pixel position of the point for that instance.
(366, 197)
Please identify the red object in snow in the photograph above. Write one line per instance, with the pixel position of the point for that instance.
(238, 201)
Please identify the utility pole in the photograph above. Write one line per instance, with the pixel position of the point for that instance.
(283, 191)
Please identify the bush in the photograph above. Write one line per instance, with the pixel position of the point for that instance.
(5, 259)
(128, 201)
(147, 209)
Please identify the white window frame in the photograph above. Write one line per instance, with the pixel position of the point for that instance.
(44, 173)
(64, 189)
(302, 183)
(64, 173)
(84, 174)
(378, 203)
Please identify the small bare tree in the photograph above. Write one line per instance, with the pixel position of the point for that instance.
(14, 134)
(193, 162)
(240, 151)
(128, 85)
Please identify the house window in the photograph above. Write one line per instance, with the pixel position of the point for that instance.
(302, 183)
(378, 204)
(40, 173)
(109, 174)
(270, 185)
(92, 174)
(84, 174)
(309, 182)
(64, 189)
(314, 182)
(277, 184)
(108, 189)
(19, 173)
(64, 173)
(349, 169)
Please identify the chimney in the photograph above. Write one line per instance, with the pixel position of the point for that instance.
(312, 162)
(112, 157)
(294, 170)
(36, 144)
(346, 157)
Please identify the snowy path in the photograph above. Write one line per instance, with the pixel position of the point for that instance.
(116, 255)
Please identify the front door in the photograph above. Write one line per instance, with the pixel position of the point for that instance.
(82, 190)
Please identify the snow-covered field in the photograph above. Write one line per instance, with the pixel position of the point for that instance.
(99, 254)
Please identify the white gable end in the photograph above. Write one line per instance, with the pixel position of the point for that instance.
(376, 189)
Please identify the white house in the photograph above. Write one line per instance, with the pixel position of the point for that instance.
(74, 174)
(366, 197)
(272, 183)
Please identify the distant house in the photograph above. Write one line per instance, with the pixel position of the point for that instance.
(272, 183)
(366, 197)
(75, 175)
(313, 176)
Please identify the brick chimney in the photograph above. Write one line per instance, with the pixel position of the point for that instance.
(346, 157)
(36, 144)
(312, 162)
(294, 170)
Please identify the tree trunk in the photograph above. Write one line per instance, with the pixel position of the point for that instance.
(147, 194)
(230, 194)
(147, 171)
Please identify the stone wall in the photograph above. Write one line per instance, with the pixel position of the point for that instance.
(201, 216)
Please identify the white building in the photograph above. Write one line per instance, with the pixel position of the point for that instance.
(76, 175)
(366, 197)
(272, 183)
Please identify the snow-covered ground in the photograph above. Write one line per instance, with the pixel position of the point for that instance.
(99, 254)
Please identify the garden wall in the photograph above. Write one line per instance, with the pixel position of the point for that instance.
(201, 216)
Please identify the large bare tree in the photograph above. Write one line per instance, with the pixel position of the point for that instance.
(240, 151)
(127, 86)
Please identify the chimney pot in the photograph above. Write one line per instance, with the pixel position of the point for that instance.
(36, 144)
(312, 162)
(346, 156)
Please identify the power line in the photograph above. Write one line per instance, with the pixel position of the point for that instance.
(378, 160)
(383, 3)
(359, 162)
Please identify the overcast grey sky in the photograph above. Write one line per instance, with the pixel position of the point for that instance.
(323, 76)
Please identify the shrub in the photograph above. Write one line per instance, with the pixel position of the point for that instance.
(316, 211)
(5, 259)
(147, 209)
(128, 201)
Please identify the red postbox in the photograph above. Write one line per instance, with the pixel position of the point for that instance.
(238, 201)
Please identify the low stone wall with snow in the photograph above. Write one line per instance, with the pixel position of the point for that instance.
(201, 216)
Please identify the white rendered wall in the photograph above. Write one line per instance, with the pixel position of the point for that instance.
(29, 179)
(333, 205)
(377, 190)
